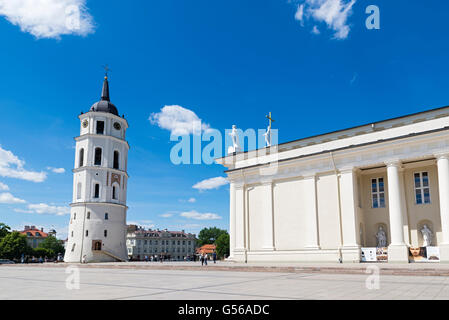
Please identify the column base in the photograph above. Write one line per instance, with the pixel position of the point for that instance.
(398, 253)
(444, 253)
(351, 254)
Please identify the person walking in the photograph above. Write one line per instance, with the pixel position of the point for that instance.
(214, 256)
(202, 259)
(205, 259)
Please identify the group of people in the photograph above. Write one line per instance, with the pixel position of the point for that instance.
(204, 257)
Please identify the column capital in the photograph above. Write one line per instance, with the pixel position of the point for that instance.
(345, 170)
(443, 155)
(394, 163)
(311, 176)
(266, 182)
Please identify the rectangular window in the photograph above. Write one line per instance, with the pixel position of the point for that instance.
(378, 193)
(97, 191)
(422, 188)
(100, 127)
(106, 216)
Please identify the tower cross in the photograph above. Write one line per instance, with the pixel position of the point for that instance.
(106, 70)
(270, 119)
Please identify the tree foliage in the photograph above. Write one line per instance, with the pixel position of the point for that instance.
(209, 235)
(4, 230)
(42, 252)
(222, 244)
(13, 245)
(53, 245)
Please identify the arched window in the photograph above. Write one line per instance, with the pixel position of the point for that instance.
(88, 215)
(97, 160)
(81, 158)
(87, 233)
(78, 191)
(105, 233)
(100, 127)
(114, 193)
(97, 191)
(116, 160)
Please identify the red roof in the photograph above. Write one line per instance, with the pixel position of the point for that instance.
(36, 233)
(207, 248)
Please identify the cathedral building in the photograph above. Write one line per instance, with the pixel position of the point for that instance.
(97, 229)
(380, 189)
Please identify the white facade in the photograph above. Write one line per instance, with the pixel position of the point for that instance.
(324, 198)
(97, 229)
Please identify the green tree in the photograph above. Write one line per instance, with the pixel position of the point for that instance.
(4, 230)
(13, 245)
(209, 235)
(222, 244)
(52, 244)
(42, 252)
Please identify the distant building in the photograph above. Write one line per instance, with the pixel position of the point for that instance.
(170, 245)
(36, 236)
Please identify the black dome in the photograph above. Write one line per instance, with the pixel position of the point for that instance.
(104, 105)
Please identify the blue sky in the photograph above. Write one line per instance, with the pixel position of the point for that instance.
(227, 62)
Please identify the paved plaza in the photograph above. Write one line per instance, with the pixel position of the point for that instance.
(151, 282)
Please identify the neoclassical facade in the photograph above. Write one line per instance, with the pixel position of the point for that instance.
(97, 228)
(325, 197)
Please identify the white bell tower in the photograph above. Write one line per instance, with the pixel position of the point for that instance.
(97, 229)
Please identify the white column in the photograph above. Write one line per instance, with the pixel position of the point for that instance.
(267, 215)
(239, 225)
(231, 220)
(311, 213)
(397, 251)
(348, 201)
(443, 186)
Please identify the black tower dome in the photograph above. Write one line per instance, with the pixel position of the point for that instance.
(104, 105)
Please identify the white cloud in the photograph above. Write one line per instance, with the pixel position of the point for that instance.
(178, 120)
(334, 13)
(166, 215)
(200, 216)
(191, 200)
(3, 187)
(315, 30)
(212, 183)
(48, 18)
(8, 198)
(56, 170)
(23, 211)
(43, 208)
(12, 167)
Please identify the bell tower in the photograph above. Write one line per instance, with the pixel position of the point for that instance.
(97, 229)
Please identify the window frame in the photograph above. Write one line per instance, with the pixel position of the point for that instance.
(377, 194)
(421, 188)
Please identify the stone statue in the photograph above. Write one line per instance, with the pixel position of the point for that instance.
(427, 236)
(267, 136)
(381, 238)
(235, 141)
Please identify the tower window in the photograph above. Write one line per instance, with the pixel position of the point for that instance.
(114, 193)
(106, 216)
(73, 247)
(87, 233)
(116, 160)
(105, 233)
(97, 191)
(74, 216)
(78, 191)
(81, 158)
(88, 215)
(72, 234)
(97, 160)
(100, 127)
